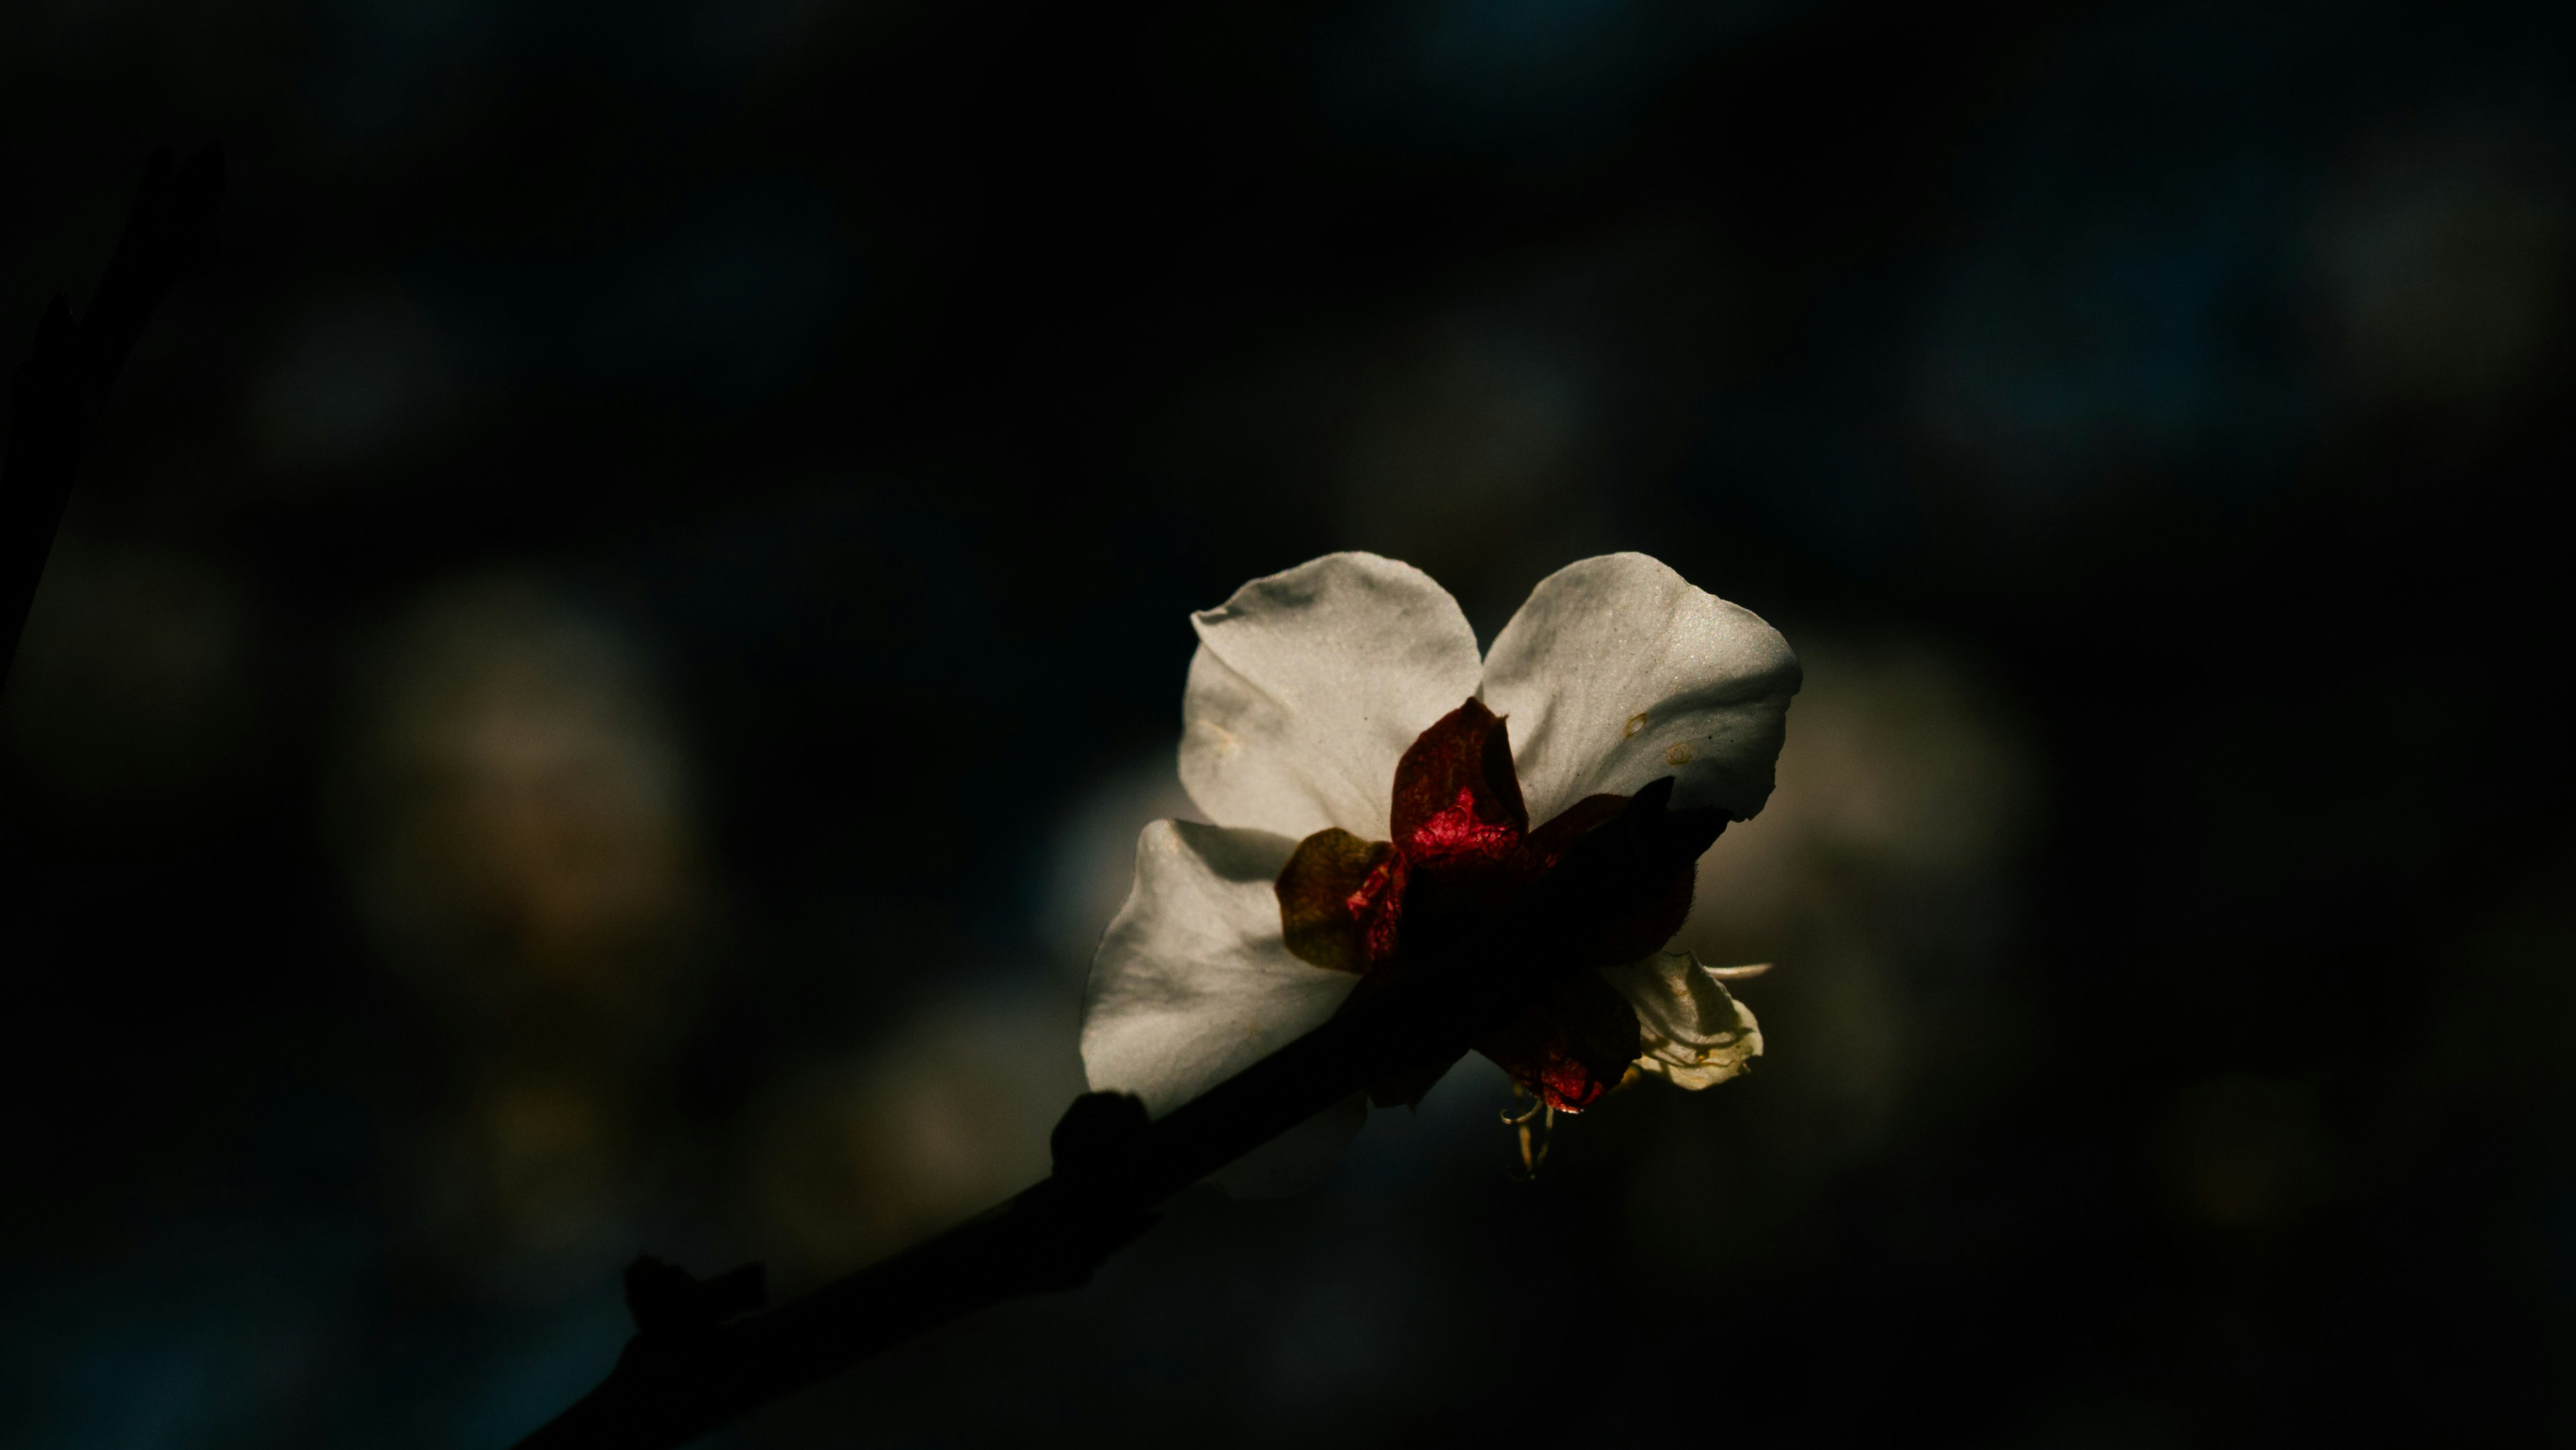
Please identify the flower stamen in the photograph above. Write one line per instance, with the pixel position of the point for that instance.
(1541, 1111)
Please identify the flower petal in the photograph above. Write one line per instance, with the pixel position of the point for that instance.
(1618, 671)
(1309, 684)
(1693, 1034)
(1193, 981)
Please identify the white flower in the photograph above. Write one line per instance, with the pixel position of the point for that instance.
(1340, 724)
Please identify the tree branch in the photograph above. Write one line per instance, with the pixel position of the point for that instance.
(691, 1368)
(169, 235)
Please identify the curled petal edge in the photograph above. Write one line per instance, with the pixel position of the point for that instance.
(1692, 1032)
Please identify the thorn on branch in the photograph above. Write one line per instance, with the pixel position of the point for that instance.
(1098, 1136)
(1098, 1146)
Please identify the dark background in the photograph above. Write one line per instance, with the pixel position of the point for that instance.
(605, 666)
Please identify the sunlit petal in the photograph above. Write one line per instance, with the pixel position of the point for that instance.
(1618, 671)
(1193, 981)
(1309, 684)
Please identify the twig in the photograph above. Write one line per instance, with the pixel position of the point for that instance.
(169, 236)
(690, 1368)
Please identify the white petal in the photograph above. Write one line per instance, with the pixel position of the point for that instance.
(1695, 1034)
(1193, 982)
(1617, 671)
(1308, 686)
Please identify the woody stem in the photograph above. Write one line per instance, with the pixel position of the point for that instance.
(689, 1369)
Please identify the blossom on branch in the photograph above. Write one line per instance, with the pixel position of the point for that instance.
(1376, 779)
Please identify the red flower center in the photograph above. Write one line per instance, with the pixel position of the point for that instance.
(1460, 826)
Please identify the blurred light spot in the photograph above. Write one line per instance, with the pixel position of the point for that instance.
(131, 678)
(945, 1119)
(2242, 1151)
(516, 817)
(528, 826)
(1880, 877)
(361, 371)
(1554, 77)
(2447, 278)
(1899, 769)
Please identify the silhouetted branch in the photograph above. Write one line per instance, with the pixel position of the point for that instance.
(169, 235)
(698, 1361)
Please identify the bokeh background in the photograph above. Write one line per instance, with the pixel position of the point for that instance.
(603, 673)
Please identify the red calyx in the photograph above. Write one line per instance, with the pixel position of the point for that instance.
(1459, 819)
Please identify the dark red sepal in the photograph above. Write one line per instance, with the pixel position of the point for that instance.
(1547, 845)
(1622, 936)
(1464, 865)
(1456, 796)
(1339, 900)
(1573, 1046)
